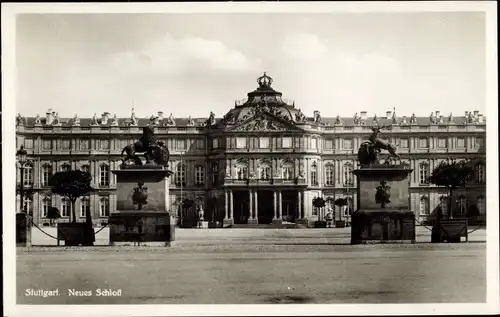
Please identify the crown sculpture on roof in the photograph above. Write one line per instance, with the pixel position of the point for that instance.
(265, 81)
(369, 151)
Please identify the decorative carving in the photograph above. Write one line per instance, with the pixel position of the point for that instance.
(317, 117)
(375, 119)
(171, 120)
(211, 119)
(114, 121)
(383, 195)
(262, 124)
(300, 117)
(432, 118)
(404, 121)
(19, 120)
(450, 118)
(190, 121)
(133, 118)
(394, 118)
(356, 119)
(154, 120)
(76, 120)
(413, 119)
(470, 118)
(38, 121)
(264, 81)
(338, 120)
(94, 120)
(56, 120)
(140, 195)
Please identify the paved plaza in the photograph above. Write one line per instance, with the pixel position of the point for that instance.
(258, 266)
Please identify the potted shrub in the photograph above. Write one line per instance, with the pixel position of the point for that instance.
(340, 202)
(53, 214)
(319, 202)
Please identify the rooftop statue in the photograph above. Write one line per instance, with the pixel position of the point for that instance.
(76, 120)
(38, 121)
(154, 151)
(171, 120)
(94, 120)
(211, 119)
(369, 151)
(19, 119)
(190, 121)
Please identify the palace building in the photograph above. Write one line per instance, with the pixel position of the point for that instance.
(264, 161)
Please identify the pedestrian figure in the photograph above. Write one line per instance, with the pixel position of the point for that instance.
(200, 216)
(329, 219)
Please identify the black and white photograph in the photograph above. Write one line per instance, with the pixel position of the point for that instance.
(267, 158)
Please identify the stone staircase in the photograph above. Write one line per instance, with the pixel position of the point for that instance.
(267, 226)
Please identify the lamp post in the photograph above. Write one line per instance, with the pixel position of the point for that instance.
(21, 160)
(182, 171)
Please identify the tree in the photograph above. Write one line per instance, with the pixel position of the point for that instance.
(72, 185)
(452, 174)
(318, 202)
(53, 214)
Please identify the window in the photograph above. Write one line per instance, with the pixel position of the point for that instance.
(65, 167)
(104, 144)
(199, 175)
(84, 207)
(424, 205)
(423, 143)
(444, 205)
(47, 144)
(86, 168)
(347, 144)
(200, 144)
(241, 143)
(84, 145)
(462, 205)
(180, 175)
(441, 143)
(66, 144)
(314, 143)
(242, 172)
(27, 203)
(314, 174)
(46, 204)
(287, 172)
(104, 175)
(329, 180)
(28, 175)
(65, 207)
(215, 143)
(481, 205)
(28, 143)
(265, 172)
(480, 173)
(264, 143)
(460, 142)
(215, 173)
(328, 144)
(180, 144)
(348, 176)
(423, 173)
(104, 207)
(403, 143)
(479, 142)
(46, 174)
(286, 142)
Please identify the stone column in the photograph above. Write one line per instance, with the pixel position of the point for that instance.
(256, 206)
(299, 205)
(231, 214)
(250, 197)
(167, 195)
(226, 205)
(278, 214)
(275, 208)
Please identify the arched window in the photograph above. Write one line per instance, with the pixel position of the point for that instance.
(65, 207)
(46, 174)
(104, 207)
(348, 177)
(424, 173)
(424, 205)
(287, 171)
(84, 206)
(314, 174)
(329, 175)
(28, 175)
(480, 173)
(462, 205)
(65, 167)
(104, 175)
(46, 204)
(180, 175)
(27, 204)
(264, 170)
(199, 175)
(481, 205)
(242, 170)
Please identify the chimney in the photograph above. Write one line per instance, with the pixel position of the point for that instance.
(437, 113)
(476, 113)
(160, 115)
(363, 115)
(388, 114)
(49, 116)
(104, 118)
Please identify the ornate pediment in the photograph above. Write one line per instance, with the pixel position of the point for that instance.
(265, 122)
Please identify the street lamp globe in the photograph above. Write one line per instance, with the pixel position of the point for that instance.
(21, 155)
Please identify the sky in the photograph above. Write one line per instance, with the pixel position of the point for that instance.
(191, 64)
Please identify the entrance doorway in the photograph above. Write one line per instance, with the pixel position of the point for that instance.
(241, 204)
(265, 203)
(290, 207)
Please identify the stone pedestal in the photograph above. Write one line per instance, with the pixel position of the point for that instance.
(251, 221)
(228, 222)
(372, 223)
(150, 223)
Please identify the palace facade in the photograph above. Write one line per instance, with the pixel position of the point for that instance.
(262, 162)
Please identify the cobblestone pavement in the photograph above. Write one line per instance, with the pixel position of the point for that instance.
(250, 269)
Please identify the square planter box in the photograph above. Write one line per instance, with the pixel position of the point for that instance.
(340, 224)
(75, 233)
(320, 224)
